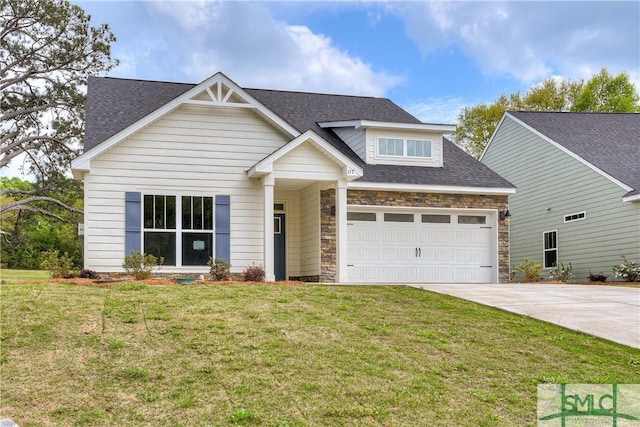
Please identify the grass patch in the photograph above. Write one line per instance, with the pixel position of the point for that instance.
(16, 276)
(282, 355)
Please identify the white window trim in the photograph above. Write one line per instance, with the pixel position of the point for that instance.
(404, 148)
(544, 250)
(584, 213)
(178, 230)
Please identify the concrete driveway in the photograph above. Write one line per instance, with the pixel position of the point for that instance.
(608, 312)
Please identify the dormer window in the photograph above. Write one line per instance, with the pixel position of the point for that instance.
(390, 147)
(418, 148)
(398, 147)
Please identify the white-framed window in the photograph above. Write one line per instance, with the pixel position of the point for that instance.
(391, 147)
(180, 229)
(418, 148)
(398, 147)
(575, 216)
(550, 248)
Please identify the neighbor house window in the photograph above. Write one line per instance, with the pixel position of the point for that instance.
(189, 235)
(575, 216)
(550, 252)
(398, 147)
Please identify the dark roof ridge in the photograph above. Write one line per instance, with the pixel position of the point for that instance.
(316, 93)
(245, 88)
(142, 80)
(573, 112)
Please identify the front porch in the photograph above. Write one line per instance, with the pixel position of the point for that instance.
(299, 181)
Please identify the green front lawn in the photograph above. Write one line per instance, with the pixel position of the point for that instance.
(282, 356)
(12, 276)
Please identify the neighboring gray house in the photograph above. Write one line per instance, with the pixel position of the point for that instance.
(317, 187)
(578, 187)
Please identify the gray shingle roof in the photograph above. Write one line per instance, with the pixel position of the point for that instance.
(459, 168)
(113, 104)
(304, 111)
(609, 141)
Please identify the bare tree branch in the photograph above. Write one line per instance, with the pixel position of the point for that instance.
(25, 204)
(40, 211)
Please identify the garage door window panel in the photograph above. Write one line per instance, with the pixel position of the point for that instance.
(472, 219)
(361, 216)
(436, 219)
(398, 217)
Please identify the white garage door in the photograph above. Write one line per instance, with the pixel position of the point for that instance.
(397, 247)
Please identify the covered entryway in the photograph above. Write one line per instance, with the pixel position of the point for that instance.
(298, 171)
(397, 245)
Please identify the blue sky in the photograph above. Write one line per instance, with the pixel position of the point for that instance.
(431, 58)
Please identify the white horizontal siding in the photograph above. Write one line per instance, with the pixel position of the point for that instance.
(310, 230)
(193, 150)
(306, 162)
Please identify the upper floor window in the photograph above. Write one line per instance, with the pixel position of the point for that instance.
(404, 147)
(390, 147)
(418, 148)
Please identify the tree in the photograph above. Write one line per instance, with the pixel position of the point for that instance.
(27, 233)
(602, 92)
(48, 48)
(608, 94)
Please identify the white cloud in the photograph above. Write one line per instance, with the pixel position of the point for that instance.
(530, 40)
(438, 110)
(245, 42)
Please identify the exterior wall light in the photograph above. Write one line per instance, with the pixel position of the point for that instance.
(504, 215)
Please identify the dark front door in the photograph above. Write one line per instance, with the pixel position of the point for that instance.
(279, 250)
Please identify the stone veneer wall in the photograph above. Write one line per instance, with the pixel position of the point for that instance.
(327, 236)
(408, 199)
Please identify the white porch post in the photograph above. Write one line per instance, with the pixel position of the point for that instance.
(269, 265)
(341, 231)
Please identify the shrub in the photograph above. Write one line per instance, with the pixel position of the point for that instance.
(140, 265)
(88, 274)
(563, 273)
(628, 270)
(254, 273)
(599, 277)
(529, 271)
(219, 269)
(56, 265)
